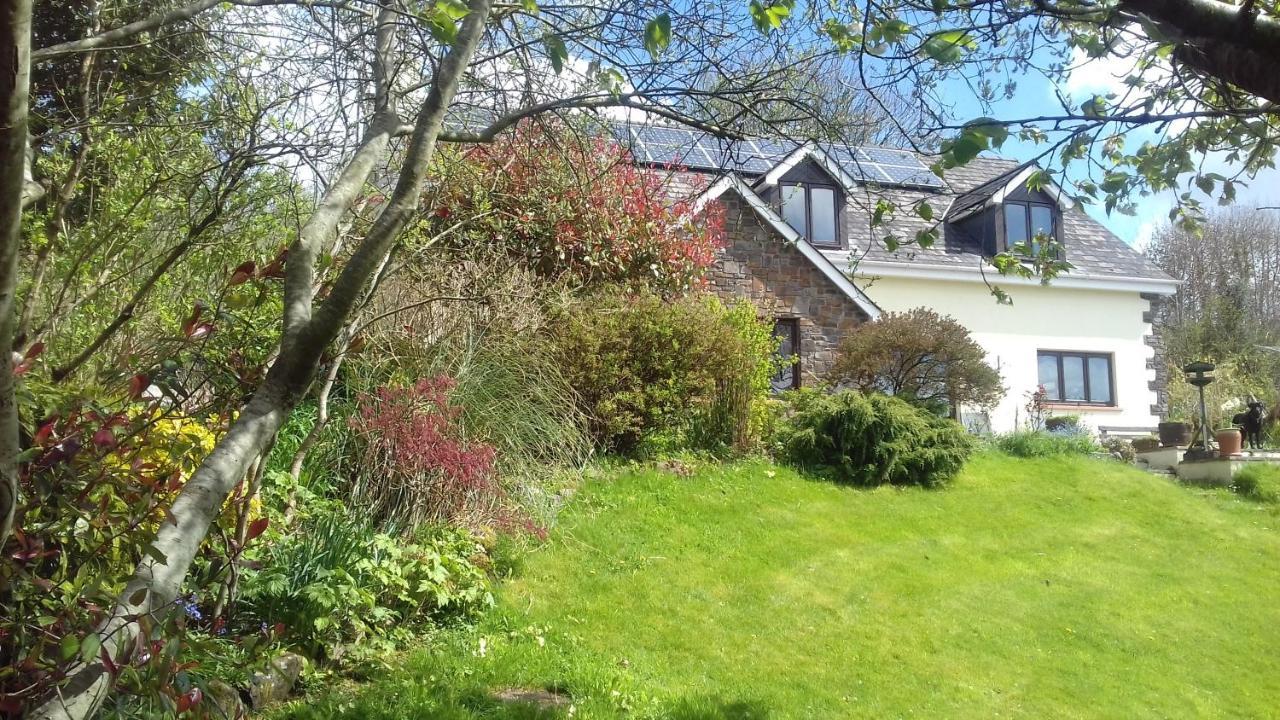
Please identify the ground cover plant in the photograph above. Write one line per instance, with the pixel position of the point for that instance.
(1041, 443)
(747, 591)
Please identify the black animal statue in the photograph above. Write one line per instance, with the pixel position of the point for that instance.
(1250, 422)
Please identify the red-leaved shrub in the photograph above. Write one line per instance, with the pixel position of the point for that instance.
(416, 466)
(571, 206)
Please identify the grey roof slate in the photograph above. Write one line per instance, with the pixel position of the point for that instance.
(1088, 245)
(1094, 250)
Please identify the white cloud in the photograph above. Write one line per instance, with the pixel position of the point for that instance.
(1097, 76)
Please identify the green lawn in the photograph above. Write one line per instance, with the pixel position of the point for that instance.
(1036, 589)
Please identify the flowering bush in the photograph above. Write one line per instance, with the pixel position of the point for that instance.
(416, 466)
(574, 207)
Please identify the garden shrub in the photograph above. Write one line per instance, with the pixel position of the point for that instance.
(923, 357)
(1038, 443)
(1063, 424)
(335, 580)
(1120, 448)
(95, 479)
(416, 465)
(664, 375)
(1258, 482)
(512, 395)
(873, 440)
(572, 206)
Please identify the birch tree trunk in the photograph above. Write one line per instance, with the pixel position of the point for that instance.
(15, 82)
(156, 583)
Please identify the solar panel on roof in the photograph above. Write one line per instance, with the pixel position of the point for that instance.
(756, 156)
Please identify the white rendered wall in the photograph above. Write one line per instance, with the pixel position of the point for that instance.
(1040, 318)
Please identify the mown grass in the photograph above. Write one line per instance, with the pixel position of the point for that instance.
(1063, 587)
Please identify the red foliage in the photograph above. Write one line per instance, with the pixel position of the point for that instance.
(580, 208)
(416, 465)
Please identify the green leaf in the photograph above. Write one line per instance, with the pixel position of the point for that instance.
(963, 149)
(1039, 180)
(89, 648)
(556, 51)
(657, 35)
(924, 210)
(69, 646)
(926, 238)
(844, 37)
(452, 9)
(529, 6)
(770, 16)
(889, 31)
(987, 132)
(154, 553)
(949, 46)
(1094, 106)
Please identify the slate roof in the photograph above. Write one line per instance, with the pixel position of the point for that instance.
(1094, 250)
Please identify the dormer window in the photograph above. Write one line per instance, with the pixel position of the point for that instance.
(811, 209)
(1024, 222)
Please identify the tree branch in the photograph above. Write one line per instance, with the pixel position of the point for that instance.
(103, 41)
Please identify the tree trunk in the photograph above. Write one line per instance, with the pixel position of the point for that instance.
(15, 81)
(157, 582)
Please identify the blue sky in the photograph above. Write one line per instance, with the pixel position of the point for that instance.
(1037, 96)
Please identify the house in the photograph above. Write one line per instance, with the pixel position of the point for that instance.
(802, 245)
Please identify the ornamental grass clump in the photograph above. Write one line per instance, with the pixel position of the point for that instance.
(416, 465)
(873, 440)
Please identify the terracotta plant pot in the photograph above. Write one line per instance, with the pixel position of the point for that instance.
(1230, 441)
(1145, 444)
(1174, 434)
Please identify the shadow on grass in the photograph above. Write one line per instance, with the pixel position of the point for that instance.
(715, 709)
(473, 703)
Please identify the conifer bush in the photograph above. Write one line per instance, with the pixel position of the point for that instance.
(872, 440)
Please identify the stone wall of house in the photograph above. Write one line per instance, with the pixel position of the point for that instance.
(758, 264)
(1158, 361)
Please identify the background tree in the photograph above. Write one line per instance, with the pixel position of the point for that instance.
(1230, 273)
(923, 357)
(1226, 310)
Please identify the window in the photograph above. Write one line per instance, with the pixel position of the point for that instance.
(787, 331)
(1072, 377)
(812, 210)
(1025, 222)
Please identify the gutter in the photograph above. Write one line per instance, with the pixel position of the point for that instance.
(925, 271)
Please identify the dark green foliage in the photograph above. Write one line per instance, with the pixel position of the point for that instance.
(1028, 443)
(873, 440)
(656, 374)
(1258, 482)
(1062, 424)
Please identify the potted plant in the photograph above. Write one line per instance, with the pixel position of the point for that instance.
(1174, 433)
(1230, 442)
